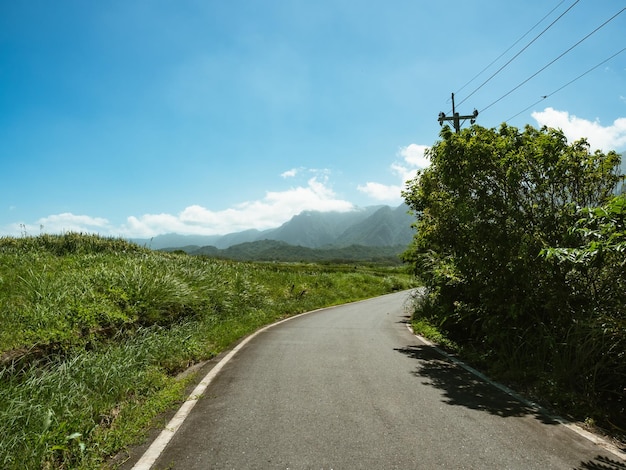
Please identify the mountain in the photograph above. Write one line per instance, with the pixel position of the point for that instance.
(275, 250)
(239, 237)
(373, 226)
(175, 240)
(385, 227)
(316, 229)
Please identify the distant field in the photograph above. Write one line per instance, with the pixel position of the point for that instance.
(93, 332)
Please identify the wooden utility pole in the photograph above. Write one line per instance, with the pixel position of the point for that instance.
(455, 118)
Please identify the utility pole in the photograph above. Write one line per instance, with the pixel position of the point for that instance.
(455, 118)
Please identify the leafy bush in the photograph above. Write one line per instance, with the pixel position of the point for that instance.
(489, 204)
(596, 283)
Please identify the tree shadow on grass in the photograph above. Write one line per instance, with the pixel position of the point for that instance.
(463, 388)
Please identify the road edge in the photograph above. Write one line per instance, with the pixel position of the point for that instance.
(158, 445)
(594, 438)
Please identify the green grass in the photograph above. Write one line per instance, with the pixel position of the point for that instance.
(426, 329)
(93, 332)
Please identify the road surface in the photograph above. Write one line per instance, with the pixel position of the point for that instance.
(351, 388)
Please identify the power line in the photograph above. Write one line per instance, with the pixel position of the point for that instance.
(554, 60)
(567, 84)
(522, 50)
(510, 47)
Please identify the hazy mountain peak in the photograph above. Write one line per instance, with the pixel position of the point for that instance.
(369, 226)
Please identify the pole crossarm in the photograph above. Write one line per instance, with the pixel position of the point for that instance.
(456, 117)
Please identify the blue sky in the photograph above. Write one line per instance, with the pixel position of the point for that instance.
(134, 118)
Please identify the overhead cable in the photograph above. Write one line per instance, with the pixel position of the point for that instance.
(510, 47)
(554, 60)
(522, 50)
(567, 84)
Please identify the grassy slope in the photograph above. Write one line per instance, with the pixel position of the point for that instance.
(93, 332)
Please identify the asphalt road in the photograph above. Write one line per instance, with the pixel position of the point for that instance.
(351, 388)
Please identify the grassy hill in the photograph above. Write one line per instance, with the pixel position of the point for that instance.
(93, 332)
(273, 250)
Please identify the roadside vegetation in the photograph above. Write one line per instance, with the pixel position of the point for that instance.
(94, 332)
(521, 246)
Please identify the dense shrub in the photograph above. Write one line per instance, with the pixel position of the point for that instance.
(489, 206)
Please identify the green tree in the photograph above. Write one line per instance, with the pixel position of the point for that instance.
(490, 202)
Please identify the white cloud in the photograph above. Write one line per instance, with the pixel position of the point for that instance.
(415, 155)
(381, 192)
(60, 223)
(274, 209)
(413, 158)
(68, 222)
(605, 138)
(289, 173)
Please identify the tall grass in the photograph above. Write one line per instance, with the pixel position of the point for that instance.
(93, 332)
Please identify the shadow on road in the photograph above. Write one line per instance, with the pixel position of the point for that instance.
(462, 388)
(602, 463)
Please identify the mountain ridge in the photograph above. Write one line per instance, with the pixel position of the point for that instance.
(280, 251)
(372, 226)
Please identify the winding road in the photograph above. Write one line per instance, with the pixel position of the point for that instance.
(350, 387)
